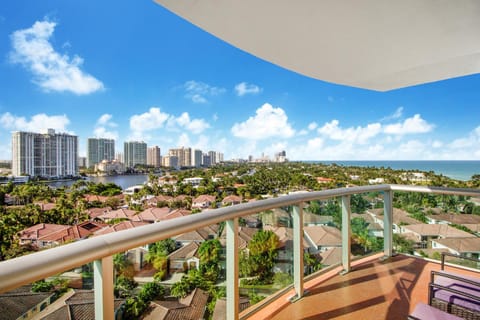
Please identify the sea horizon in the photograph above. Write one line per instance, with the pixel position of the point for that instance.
(455, 169)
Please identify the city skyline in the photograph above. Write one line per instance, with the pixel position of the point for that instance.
(65, 66)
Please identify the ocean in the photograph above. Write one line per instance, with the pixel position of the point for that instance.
(459, 170)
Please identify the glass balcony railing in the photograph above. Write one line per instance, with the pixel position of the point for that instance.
(290, 213)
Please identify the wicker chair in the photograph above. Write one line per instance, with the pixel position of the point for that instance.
(454, 293)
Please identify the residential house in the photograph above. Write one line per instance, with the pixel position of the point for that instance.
(161, 199)
(184, 258)
(44, 235)
(120, 214)
(322, 238)
(311, 219)
(22, 303)
(425, 233)
(400, 217)
(231, 200)
(204, 201)
(198, 236)
(220, 311)
(94, 213)
(465, 247)
(374, 228)
(78, 305)
(453, 218)
(193, 306)
(154, 214)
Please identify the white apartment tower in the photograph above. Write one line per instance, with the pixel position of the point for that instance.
(99, 149)
(44, 154)
(134, 153)
(213, 157)
(153, 157)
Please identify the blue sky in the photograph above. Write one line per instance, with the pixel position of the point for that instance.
(131, 70)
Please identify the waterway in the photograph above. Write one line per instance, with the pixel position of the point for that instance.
(124, 181)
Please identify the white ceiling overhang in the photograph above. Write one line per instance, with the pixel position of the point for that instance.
(373, 44)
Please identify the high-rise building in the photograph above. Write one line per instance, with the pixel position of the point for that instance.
(178, 152)
(219, 157)
(170, 161)
(197, 158)
(44, 154)
(134, 153)
(99, 149)
(153, 157)
(213, 157)
(187, 157)
(206, 161)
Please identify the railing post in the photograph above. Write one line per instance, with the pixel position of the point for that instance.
(346, 234)
(298, 268)
(388, 223)
(233, 298)
(103, 285)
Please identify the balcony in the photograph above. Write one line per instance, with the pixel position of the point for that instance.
(385, 285)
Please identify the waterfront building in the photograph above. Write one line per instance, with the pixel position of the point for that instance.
(206, 161)
(44, 154)
(99, 149)
(187, 157)
(213, 157)
(219, 157)
(154, 157)
(135, 153)
(170, 161)
(110, 167)
(177, 152)
(197, 158)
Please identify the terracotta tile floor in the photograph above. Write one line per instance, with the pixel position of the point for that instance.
(373, 290)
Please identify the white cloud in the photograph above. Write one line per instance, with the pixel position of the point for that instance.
(312, 126)
(303, 132)
(360, 135)
(411, 125)
(194, 125)
(37, 123)
(268, 122)
(51, 70)
(101, 128)
(244, 88)
(105, 120)
(153, 119)
(199, 91)
(397, 114)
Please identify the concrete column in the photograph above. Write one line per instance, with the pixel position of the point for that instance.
(346, 233)
(298, 250)
(103, 285)
(388, 223)
(233, 297)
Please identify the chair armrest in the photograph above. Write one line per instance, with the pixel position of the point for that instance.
(431, 286)
(454, 277)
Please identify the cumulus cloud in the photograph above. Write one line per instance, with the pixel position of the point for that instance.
(102, 126)
(150, 120)
(244, 88)
(312, 126)
(360, 135)
(194, 125)
(51, 70)
(198, 91)
(154, 119)
(37, 123)
(268, 122)
(411, 125)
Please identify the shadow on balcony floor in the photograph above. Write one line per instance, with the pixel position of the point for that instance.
(373, 290)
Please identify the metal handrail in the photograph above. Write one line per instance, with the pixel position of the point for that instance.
(39, 265)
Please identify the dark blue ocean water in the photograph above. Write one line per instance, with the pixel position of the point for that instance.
(460, 170)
